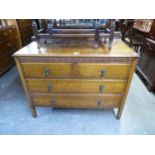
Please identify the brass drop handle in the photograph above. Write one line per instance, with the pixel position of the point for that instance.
(49, 87)
(52, 101)
(98, 102)
(5, 34)
(9, 44)
(101, 87)
(103, 71)
(46, 71)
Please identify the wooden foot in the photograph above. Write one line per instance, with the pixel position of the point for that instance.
(34, 113)
(117, 113)
(149, 86)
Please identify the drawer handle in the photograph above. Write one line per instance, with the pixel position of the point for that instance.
(5, 34)
(46, 71)
(52, 101)
(49, 87)
(103, 71)
(99, 102)
(9, 44)
(101, 88)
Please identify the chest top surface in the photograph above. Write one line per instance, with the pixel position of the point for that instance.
(119, 49)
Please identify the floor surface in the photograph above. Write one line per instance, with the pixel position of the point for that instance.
(15, 118)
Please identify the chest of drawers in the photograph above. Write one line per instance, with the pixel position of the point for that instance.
(146, 63)
(25, 27)
(8, 45)
(70, 77)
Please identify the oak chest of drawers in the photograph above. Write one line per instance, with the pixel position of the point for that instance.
(8, 45)
(80, 77)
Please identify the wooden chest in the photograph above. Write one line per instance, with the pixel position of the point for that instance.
(8, 45)
(76, 77)
(25, 27)
(146, 63)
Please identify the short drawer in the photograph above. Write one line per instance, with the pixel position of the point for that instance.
(76, 86)
(78, 101)
(32, 70)
(95, 70)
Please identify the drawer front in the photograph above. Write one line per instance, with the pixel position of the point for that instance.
(37, 70)
(5, 62)
(8, 45)
(7, 33)
(27, 30)
(78, 101)
(25, 21)
(27, 39)
(75, 86)
(83, 70)
(113, 71)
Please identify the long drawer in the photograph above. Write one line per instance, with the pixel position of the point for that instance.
(81, 70)
(76, 86)
(78, 101)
